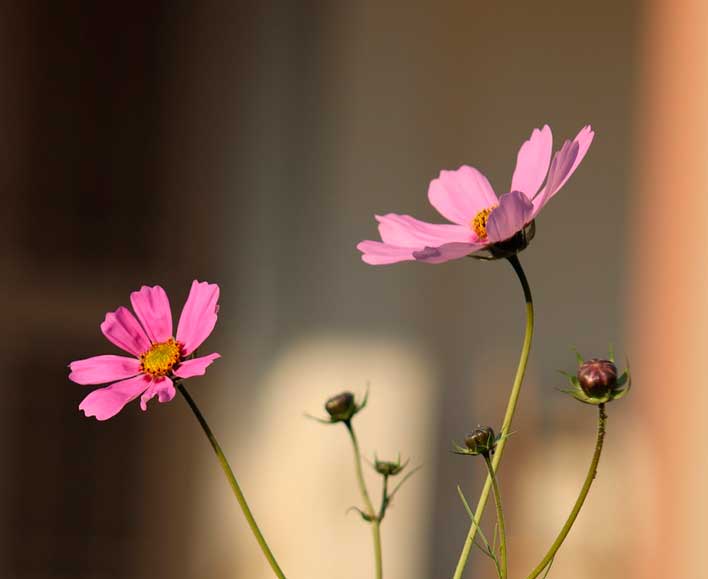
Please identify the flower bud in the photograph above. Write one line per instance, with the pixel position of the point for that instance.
(388, 468)
(481, 440)
(341, 406)
(597, 377)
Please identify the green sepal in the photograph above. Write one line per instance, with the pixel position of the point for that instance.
(624, 384)
(579, 357)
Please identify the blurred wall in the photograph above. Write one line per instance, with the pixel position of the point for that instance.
(669, 284)
(250, 144)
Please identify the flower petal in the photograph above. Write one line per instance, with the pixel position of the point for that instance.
(564, 164)
(460, 195)
(195, 366)
(198, 315)
(514, 211)
(102, 369)
(532, 162)
(406, 231)
(105, 403)
(160, 387)
(446, 252)
(377, 253)
(122, 329)
(153, 310)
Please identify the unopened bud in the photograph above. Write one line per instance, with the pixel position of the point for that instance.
(388, 468)
(481, 440)
(341, 406)
(597, 377)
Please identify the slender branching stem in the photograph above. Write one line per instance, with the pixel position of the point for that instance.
(233, 482)
(508, 416)
(368, 505)
(589, 478)
(385, 498)
(500, 518)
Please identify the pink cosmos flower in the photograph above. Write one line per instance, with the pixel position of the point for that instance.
(158, 357)
(479, 218)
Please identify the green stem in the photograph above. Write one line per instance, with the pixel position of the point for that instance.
(233, 482)
(500, 518)
(508, 416)
(592, 473)
(368, 505)
(384, 499)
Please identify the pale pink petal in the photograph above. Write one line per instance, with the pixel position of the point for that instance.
(514, 211)
(406, 231)
(446, 252)
(122, 329)
(198, 315)
(564, 164)
(377, 253)
(109, 401)
(460, 195)
(532, 162)
(195, 366)
(162, 388)
(102, 369)
(152, 307)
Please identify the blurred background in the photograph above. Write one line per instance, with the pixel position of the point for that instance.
(250, 144)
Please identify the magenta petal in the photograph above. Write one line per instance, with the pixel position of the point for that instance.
(446, 252)
(514, 211)
(105, 403)
(160, 387)
(406, 231)
(122, 329)
(198, 315)
(532, 162)
(377, 253)
(564, 164)
(460, 195)
(103, 369)
(152, 307)
(195, 366)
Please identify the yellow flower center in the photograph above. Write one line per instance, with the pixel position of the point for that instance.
(479, 223)
(160, 358)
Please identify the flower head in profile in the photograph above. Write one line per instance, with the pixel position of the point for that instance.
(158, 359)
(480, 219)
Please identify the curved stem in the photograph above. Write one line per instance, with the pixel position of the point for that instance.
(233, 482)
(368, 505)
(592, 473)
(500, 518)
(508, 416)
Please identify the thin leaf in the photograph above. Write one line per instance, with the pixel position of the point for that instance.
(322, 420)
(404, 479)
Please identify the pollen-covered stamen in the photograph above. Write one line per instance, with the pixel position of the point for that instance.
(479, 223)
(161, 358)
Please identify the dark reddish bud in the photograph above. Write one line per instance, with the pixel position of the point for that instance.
(481, 440)
(341, 406)
(597, 377)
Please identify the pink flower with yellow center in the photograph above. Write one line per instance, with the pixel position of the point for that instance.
(480, 219)
(158, 359)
